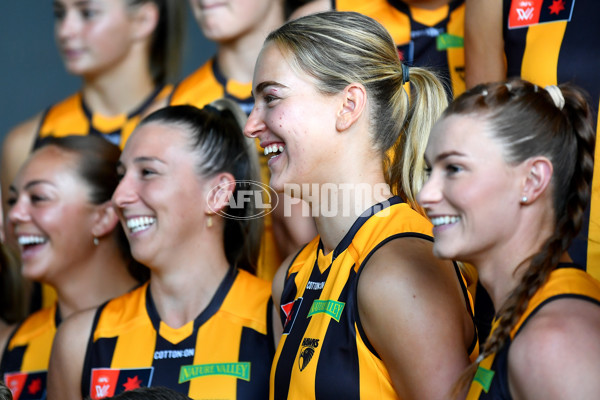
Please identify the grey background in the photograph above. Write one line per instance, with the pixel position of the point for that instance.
(32, 76)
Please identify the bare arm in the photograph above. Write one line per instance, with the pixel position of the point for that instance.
(413, 313)
(15, 150)
(484, 44)
(556, 354)
(68, 355)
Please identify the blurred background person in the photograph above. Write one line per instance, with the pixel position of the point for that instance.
(239, 27)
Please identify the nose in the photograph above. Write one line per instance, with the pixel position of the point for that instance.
(255, 124)
(66, 25)
(124, 193)
(18, 212)
(430, 193)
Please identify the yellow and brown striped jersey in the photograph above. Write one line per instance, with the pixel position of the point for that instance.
(567, 281)
(550, 42)
(324, 352)
(425, 38)
(225, 353)
(72, 116)
(24, 365)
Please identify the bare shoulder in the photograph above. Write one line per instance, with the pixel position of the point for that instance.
(557, 351)
(68, 355)
(16, 147)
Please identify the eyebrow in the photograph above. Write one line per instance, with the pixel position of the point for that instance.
(447, 154)
(30, 184)
(263, 85)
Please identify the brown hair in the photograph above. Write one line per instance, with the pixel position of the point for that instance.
(527, 121)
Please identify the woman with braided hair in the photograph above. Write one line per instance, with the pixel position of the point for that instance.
(511, 172)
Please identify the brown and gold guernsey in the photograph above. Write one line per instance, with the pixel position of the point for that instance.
(72, 116)
(324, 353)
(548, 42)
(205, 85)
(225, 353)
(425, 38)
(24, 365)
(567, 281)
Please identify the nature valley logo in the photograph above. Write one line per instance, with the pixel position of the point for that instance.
(240, 370)
(330, 307)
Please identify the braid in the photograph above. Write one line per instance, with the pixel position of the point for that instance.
(575, 126)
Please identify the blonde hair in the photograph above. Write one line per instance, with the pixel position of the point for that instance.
(339, 48)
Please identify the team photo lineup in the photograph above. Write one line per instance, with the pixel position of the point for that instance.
(345, 199)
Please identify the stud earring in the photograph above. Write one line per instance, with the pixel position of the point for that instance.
(524, 199)
(209, 222)
(96, 241)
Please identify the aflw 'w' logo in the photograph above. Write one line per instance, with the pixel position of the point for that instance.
(525, 14)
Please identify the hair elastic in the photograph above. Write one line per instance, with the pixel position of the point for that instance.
(556, 94)
(405, 73)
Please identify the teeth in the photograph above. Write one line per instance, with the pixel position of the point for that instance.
(445, 220)
(140, 223)
(27, 240)
(274, 148)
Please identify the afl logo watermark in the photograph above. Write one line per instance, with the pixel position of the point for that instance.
(256, 197)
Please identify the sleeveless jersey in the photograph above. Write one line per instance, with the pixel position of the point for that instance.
(24, 365)
(72, 116)
(425, 38)
(567, 281)
(324, 353)
(550, 42)
(200, 88)
(225, 353)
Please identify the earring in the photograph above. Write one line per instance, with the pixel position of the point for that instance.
(209, 221)
(524, 199)
(96, 241)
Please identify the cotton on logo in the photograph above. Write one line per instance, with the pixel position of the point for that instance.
(258, 198)
(525, 15)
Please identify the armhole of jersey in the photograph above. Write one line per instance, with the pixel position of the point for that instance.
(359, 326)
(38, 133)
(3, 359)
(557, 297)
(172, 94)
(270, 333)
(86, 374)
(465, 293)
(333, 5)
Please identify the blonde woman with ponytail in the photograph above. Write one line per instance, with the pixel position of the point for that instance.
(366, 310)
(511, 174)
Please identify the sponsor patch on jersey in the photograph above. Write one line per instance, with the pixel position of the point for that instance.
(309, 346)
(330, 307)
(484, 377)
(26, 385)
(447, 41)
(524, 13)
(240, 370)
(315, 285)
(290, 312)
(106, 382)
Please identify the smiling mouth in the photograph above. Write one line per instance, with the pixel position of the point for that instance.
(140, 223)
(274, 150)
(445, 220)
(28, 242)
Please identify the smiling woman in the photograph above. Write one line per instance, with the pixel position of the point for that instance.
(201, 326)
(511, 175)
(69, 238)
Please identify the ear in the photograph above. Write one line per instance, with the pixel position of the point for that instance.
(145, 20)
(537, 179)
(220, 188)
(354, 102)
(105, 220)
